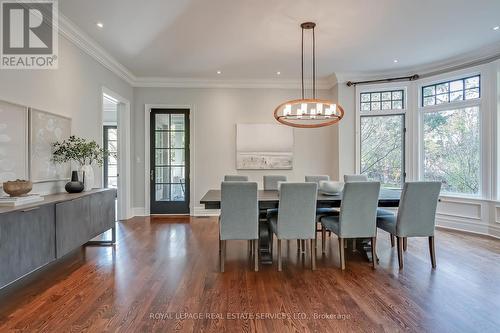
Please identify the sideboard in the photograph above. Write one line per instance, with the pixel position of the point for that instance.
(34, 235)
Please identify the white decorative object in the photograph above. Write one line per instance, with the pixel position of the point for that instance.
(13, 142)
(87, 172)
(264, 146)
(45, 129)
(330, 187)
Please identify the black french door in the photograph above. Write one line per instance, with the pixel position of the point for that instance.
(169, 173)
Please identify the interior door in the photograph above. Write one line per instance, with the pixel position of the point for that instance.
(169, 174)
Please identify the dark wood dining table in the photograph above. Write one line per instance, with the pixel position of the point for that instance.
(270, 199)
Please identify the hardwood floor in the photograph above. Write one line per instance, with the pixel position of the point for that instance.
(163, 269)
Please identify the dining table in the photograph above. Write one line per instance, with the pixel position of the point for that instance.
(268, 199)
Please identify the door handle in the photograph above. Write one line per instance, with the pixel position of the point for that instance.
(151, 175)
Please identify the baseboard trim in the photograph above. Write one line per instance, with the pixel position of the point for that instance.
(201, 211)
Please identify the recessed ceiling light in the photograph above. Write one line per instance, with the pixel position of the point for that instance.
(395, 61)
(496, 28)
(219, 72)
(100, 25)
(278, 73)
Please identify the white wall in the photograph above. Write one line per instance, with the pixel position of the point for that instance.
(213, 134)
(73, 90)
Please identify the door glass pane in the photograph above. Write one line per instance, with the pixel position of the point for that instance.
(162, 192)
(161, 139)
(178, 192)
(382, 152)
(112, 134)
(162, 174)
(177, 122)
(177, 139)
(177, 175)
(162, 122)
(161, 157)
(177, 157)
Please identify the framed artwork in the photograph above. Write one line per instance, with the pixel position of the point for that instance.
(45, 129)
(13, 142)
(264, 147)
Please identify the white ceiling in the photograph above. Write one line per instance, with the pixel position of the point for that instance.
(253, 39)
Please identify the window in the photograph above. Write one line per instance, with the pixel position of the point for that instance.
(451, 91)
(382, 100)
(451, 150)
(382, 138)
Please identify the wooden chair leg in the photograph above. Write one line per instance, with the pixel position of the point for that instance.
(303, 246)
(323, 239)
(279, 255)
(432, 251)
(400, 251)
(405, 243)
(222, 254)
(256, 254)
(313, 254)
(342, 251)
(374, 251)
(392, 239)
(298, 245)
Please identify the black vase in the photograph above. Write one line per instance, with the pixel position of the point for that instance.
(74, 186)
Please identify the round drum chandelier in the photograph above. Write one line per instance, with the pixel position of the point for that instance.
(309, 112)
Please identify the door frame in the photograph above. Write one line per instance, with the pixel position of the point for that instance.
(124, 161)
(147, 154)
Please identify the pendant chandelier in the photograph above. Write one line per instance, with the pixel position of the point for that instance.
(309, 112)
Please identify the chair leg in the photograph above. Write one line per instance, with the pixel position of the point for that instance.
(313, 254)
(392, 239)
(303, 245)
(256, 254)
(374, 251)
(400, 251)
(342, 251)
(222, 254)
(298, 245)
(323, 239)
(405, 243)
(279, 255)
(432, 251)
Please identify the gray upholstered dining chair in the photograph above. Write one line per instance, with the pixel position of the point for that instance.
(357, 218)
(416, 216)
(296, 218)
(355, 178)
(322, 211)
(271, 182)
(316, 178)
(235, 178)
(364, 178)
(239, 218)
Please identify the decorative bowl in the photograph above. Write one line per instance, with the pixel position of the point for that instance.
(17, 188)
(330, 187)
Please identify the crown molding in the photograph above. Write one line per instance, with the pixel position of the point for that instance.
(473, 58)
(83, 41)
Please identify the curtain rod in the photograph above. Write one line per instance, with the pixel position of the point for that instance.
(393, 79)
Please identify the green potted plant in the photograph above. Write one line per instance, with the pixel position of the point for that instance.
(86, 153)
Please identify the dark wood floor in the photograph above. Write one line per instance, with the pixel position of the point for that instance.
(163, 269)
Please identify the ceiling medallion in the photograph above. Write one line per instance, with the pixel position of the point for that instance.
(309, 112)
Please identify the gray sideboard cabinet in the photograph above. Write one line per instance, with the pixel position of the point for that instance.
(34, 235)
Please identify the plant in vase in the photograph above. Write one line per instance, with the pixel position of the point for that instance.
(86, 153)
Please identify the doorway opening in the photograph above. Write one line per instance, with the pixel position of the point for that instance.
(116, 140)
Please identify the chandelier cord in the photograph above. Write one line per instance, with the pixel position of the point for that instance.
(302, 63)
(314, 65)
